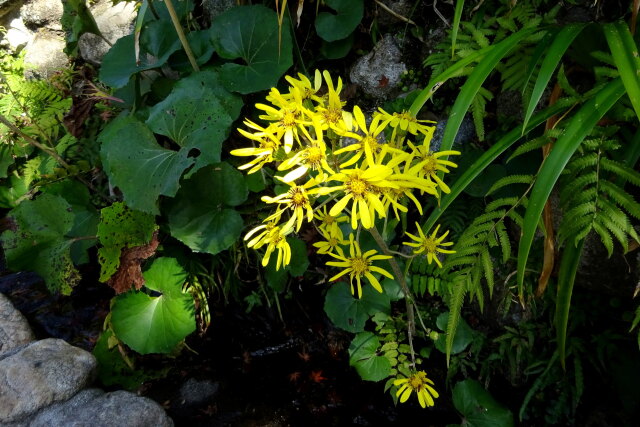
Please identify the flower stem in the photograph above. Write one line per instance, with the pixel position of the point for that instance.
(181, 36)
(408, 299)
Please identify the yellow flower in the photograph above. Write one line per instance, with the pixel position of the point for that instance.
(287, 120)
(303, 85)
(408, 123)
(330, 110)
(431, 163)
(275, 238)
(313, 157)
(418, 383)
(328, 222)
(360, 186)
(358, 265)
(369, 144)
(430, 246)
(334, 239)
(296, 199)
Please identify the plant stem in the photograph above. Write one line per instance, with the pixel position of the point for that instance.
(408, 299)
(181, 36)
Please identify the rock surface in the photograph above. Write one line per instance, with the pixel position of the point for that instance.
(42, 13)
(94, 407)
(14, 329)
(114, 22)
(379, 72)
(42, 373)
(213, 8)
(45, 55)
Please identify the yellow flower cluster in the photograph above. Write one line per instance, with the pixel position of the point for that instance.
(385, 165)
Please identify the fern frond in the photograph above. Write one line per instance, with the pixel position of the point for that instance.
(621, 197)
(455, 309)
(624, 172)
(487, 266)
(479, 110)
(530, 145)
(510, 180)
(605, 236)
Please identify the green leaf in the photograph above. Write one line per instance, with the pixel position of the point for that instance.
(35, 241)
(202, 48)
(299, 260)
(580, 125)
(475, 81)
(625, 55)
(455, 308)
(363, 355)
(119, 228)
(131, 156)
(461, 340)
(350, 313)
(158, 39)
(559, 46)
(155, 324)
(197, 114)
(250, 33)
(348, 15)
(77, 20)
(200, 218)
(478, 407)
(337, 49)
(566, 278)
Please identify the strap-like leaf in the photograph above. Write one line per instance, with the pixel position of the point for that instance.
(579, 127)
(485, 160)
(566, 278)
(456, 25)
(625, 55)
(554, 55)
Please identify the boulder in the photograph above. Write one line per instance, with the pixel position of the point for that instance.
(379, 72)
(213, 8)
(40, 374)
(14, 329)
(93, 407)
(18, 35)
(114, 22)
(45, 55)
(42, 13)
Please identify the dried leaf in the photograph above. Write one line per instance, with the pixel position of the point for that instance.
(130, 270)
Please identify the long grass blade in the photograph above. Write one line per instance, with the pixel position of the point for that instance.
(486, 159)
(566, 278)
(554, 55)
(625, 55)
(579, 127)
(475, 81)
(456, 25)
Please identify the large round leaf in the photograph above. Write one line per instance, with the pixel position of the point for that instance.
(155, 324)
(363, 355)
(250, 33)
(350, 313)
(348, 15)
(199, 217)
(462, 338)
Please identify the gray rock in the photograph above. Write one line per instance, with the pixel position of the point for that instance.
(42, 373)
(196, 392)
(45, 55)
(466, 133)
(93, 408)
(114, 22)
(379, 72)
(400, 7)
(14, 329)
(8, 6)
(213, 8)
(509, 105)
(18, 35)
(42, 13)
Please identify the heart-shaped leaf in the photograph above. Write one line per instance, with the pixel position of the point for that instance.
(348, 15)
(155, 324)
(250, 33)
(363, 355)
(478, 407)
(199, 217)
(350, 313)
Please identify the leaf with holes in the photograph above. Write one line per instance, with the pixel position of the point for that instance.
(36, 241)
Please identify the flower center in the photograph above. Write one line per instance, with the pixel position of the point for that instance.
(298, 197)
(289, 119)
(332, 115)
(357, 186)
(416, 383)
(314, 156)
(359, 266)
(371, 142)
(430, 245)
(333, 242)
(430, 167)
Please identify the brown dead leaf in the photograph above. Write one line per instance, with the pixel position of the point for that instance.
(130, 271)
